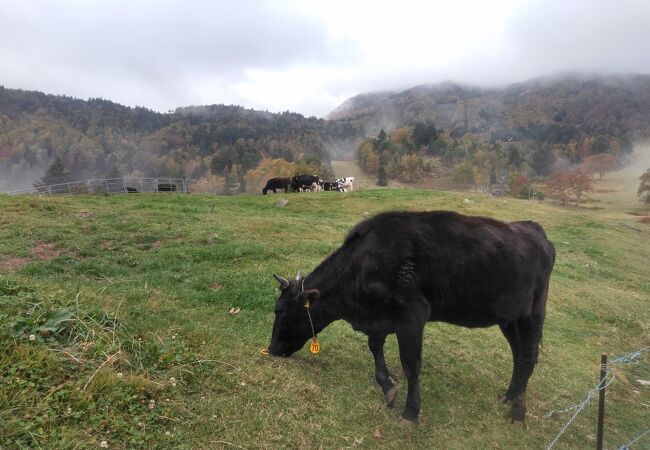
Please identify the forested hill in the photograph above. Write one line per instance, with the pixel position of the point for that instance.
(95, 135)
(553, 110)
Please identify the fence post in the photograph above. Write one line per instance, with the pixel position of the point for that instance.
(124, 184)
(601, 401)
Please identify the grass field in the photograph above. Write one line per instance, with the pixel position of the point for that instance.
(117, 328)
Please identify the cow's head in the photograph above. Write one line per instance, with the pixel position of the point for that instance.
(291, 328)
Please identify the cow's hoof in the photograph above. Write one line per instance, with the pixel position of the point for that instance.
(390, 396)
(505, 399)
(517, 412)
(408, 423)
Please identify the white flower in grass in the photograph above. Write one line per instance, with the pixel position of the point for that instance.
(120, 374)
(172, 380)
(168, 433)
(32, 337)
(103, 444)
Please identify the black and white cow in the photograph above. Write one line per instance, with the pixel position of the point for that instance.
(399, 270)
(330, 186)
(346, 184)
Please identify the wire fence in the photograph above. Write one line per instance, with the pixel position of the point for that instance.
(125, 185)
(609, 377)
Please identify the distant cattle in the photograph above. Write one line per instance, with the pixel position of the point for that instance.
(131, 190)
(276, 183)
(300, 183)
(399, 270)
(330, 186)
(166, 187)
(346, 184)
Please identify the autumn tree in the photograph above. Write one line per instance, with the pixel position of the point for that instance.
(462, 174)
(600, 164)
(268, 168)
(580, 182)
(569, 184)
(519, 185)
(644, 187)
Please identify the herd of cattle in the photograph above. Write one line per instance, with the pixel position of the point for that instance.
(308, 183)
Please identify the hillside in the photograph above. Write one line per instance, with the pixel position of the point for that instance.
(554, 109)
(93, 136)
(138, 324)
(573, 116)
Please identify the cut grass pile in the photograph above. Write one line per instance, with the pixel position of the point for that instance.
(118, 327)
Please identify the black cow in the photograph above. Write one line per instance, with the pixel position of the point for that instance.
(131, 190)
(302, 182)
(166, 187)
(399, 270)
(276, 183)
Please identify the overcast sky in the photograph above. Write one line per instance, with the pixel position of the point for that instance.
(306, 56)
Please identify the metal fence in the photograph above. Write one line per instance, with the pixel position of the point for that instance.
(124, 185)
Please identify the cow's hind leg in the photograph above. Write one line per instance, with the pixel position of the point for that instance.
(376, 345)
(530, 333)
(511, 332)
(409, 339)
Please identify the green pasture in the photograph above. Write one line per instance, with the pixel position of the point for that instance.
(116, 328)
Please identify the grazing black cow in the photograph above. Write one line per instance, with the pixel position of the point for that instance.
(131, 190)
(302, 182)
(166, 187)
(276, 183)
(399, 270)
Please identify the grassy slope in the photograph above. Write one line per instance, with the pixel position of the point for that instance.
(151, 279)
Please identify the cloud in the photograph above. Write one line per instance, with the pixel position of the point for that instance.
(306, 56)
(134, 52)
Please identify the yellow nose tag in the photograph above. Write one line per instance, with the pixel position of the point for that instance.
(314, 346)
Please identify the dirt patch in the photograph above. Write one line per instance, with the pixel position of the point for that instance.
(645, 219)
(156, 244)
(107, 244)
(215, 286)
(45, 251)
(13, 263)
(83, 214)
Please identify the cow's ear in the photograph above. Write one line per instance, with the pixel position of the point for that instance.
(311, 295)
(284, 283)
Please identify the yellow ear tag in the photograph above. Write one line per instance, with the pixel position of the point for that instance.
(314, 346)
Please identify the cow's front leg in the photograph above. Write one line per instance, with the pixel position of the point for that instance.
(376, 345)
(409, 339)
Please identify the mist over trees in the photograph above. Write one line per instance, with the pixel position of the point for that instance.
(94, 137)
(467, 137)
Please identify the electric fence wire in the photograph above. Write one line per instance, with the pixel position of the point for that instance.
(631, 358)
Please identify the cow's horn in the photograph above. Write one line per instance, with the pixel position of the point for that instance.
(284, 283)
(298, 276)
